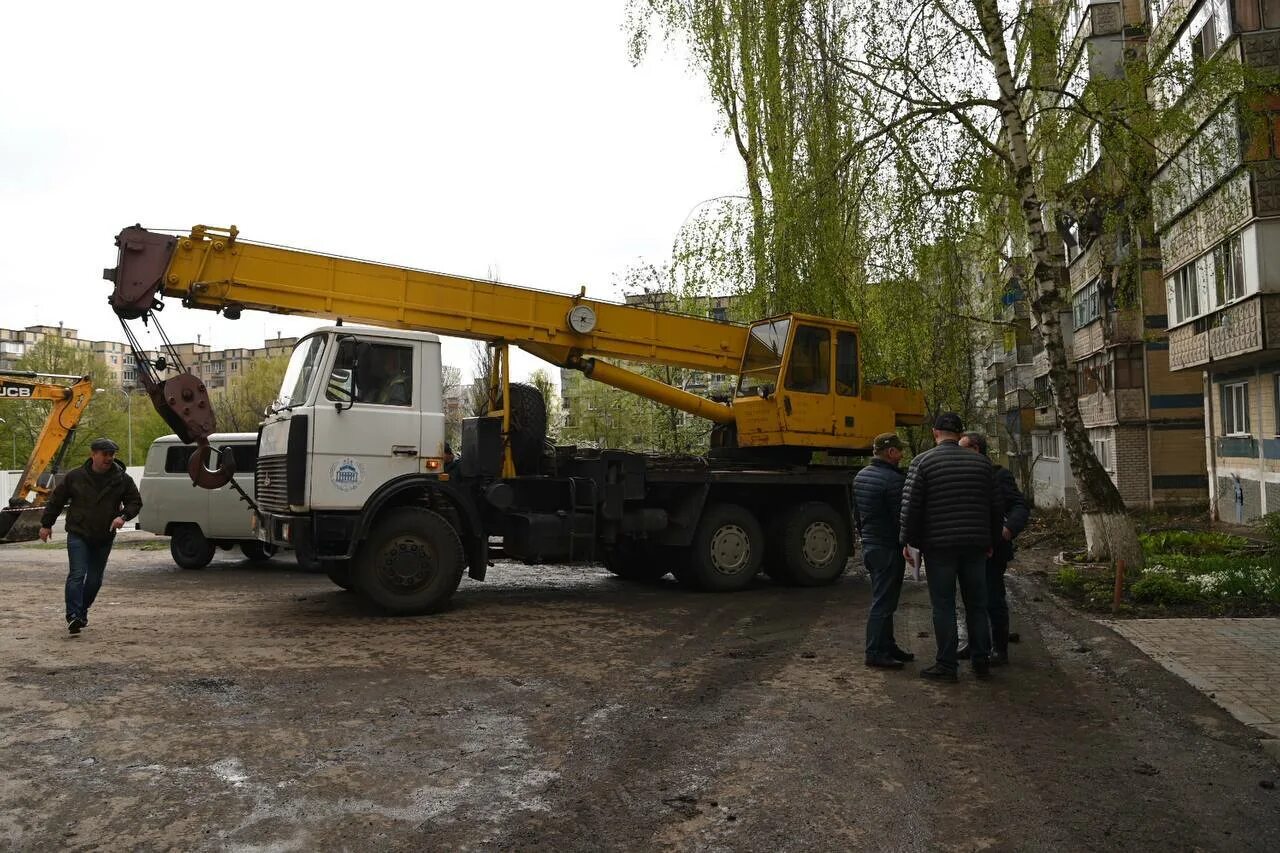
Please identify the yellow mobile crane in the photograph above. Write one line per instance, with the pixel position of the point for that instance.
(20, 521)
(352, 473)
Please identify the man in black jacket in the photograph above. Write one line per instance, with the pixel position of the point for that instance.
(877, 502)
(103, 497)
(1016, 516)
(952, 512)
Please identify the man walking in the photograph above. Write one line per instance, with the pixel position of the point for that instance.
(877, 503)
(952, 512)
(103, 497)
(1016, 516)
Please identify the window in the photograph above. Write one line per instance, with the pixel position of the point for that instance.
(383, 374)
(1044, 446)
(1127, 366)
(763, 358)
(1186, 293)
(1103, 448)
(1254, 14)
(809, 368)
(176, 458)
(1093, 375)
(1086, 306)
(847, 364)
(1228, 270)
(1235, 409)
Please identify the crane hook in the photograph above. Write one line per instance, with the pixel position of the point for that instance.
(198, 466)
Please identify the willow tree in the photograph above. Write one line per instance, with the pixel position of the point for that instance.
(817, 228)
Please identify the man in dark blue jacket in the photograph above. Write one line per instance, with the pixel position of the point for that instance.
(1016, 516)
(877, 502)
(952, 512)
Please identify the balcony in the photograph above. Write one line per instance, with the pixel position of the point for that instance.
(1244, 328)
(1040, 364)
(1046, 417)
(1098, 409)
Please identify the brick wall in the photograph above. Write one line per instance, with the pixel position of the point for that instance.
(1133, 476)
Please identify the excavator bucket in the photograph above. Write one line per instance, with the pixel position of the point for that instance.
(20, 522)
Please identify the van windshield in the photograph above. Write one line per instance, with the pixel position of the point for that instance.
(301, 373)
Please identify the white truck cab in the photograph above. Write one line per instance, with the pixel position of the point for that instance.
(358, 408)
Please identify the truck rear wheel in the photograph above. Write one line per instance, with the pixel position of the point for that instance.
(636, 562)
(411, 563)
(727, 550)
(811, 547)
(189, 547)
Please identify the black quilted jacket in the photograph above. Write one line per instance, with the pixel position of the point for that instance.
(951, 500)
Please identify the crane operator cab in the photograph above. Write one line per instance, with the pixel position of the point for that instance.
(801, 386)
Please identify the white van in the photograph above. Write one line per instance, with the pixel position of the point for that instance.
(198, 521)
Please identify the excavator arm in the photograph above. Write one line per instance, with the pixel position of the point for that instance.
(20, 521)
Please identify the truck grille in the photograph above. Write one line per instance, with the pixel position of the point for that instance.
(270, 484)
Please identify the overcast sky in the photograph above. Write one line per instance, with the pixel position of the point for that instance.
(461, 137)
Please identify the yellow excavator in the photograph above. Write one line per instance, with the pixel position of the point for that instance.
(350, 456)
(20, 520)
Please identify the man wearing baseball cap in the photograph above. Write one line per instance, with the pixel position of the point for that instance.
(953, 512)
(877, 502)
(102, 497)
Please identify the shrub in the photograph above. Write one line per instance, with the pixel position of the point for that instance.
(1269, 526)
(1071, 580)
(1164, 589)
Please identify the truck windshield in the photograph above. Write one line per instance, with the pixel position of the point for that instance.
(763, 358)
(302, 371)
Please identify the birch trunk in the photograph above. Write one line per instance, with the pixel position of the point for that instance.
(1109, 531)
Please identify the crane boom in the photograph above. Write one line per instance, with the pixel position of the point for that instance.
(221, 272)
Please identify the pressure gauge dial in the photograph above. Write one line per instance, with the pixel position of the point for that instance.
(582, 319)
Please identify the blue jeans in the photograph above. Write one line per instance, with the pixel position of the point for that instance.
(886, 567)
(88, 560)
(943, 570)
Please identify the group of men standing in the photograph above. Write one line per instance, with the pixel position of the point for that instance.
(959, 512)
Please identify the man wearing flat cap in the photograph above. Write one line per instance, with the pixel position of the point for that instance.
(953, 512)
(102, 497)
(877, 502)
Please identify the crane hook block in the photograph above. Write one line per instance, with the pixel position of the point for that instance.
(198, 467)
(141, 260)
(183, 402)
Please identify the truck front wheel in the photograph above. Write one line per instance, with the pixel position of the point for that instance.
(411, 563)
(257, 552)
(812, 546)
(727, 550)
(189, 547)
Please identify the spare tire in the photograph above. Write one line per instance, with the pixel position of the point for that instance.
(528, 427)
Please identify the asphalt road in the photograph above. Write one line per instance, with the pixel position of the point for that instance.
(557, 708)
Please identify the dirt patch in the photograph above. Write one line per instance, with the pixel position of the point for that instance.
(557, 708)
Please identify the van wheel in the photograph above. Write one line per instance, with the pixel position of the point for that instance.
(258, 552)
(727, 550)
(189, 548)
(411, 563)
(814, 545)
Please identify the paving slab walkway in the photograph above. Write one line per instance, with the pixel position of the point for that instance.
(1235, 661)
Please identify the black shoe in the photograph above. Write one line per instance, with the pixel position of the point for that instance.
(74, 625)
(999, 658)
(939, 673)
(982, 668)
(883, 662)
(964, 652)
(901, 654)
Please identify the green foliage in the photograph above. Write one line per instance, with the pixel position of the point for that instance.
(541, 379)
(240, 406)
(24, 420)
(1269, 526)
(1071, 580)
(1163, 589)
(604, 417)
(1193, 542)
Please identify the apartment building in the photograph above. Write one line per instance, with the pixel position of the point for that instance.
(1144, 418)
(1217, 206)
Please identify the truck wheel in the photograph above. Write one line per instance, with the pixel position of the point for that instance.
(258, 552)
(189, 548)
(813, 546)
(306, 559)
(727, 549)
(411, 563)
(528, 427)
(635, 562)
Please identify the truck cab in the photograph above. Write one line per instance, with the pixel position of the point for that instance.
(358, 408)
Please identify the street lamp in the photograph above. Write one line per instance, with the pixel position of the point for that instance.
(128, 418)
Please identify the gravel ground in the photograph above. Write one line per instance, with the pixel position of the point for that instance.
(557, 708)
